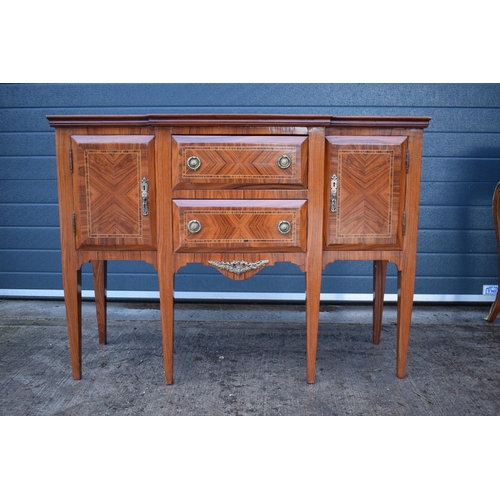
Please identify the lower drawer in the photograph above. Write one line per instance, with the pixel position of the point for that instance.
(239, 225)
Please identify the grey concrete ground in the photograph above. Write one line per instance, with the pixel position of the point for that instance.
(248, 359)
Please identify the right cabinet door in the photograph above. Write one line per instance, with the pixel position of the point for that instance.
(366, 177)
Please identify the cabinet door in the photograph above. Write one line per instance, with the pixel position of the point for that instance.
(366, 191)
(113, 178)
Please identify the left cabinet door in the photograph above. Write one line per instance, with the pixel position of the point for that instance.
(114, 191)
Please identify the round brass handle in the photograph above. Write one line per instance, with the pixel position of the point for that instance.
(193, 163)
(284, 227)
(194, 226)
(284, 161)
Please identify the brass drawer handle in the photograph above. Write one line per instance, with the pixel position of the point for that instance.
(194, 226)
(193, 163)
(284, 227)
(284, 161)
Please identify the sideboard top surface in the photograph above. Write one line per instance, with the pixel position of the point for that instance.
(274, 120)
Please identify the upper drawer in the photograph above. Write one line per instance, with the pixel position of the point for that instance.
(206, 161)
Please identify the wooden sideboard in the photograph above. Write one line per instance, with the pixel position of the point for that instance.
(238, 192)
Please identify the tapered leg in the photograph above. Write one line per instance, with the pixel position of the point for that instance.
(72, 282)
(313, 289)
(379, 280)
(406, 286)
(99, 270)
(312, 322)
(166, 285)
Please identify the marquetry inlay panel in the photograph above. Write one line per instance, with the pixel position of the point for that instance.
(108, 176)
(235, 160)
(113, 201)
(369, 202)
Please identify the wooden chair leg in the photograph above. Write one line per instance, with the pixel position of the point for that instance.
(99, 270)
(494, 310)
(379, 280)
(495, 307)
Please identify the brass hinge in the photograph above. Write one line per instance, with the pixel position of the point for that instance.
(407, 160)
(74, 223)
(71, 160)
(404, 223)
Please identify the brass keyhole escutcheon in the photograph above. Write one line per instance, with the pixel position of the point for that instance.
(193, 163)
(284, 161)
(144, 194)
(284, 227)
(194, 226)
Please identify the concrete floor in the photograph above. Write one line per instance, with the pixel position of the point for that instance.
(248, 359)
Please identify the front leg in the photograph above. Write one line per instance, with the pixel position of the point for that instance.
(72, 282)
(406, 286)
(313, 289)
(166, 285)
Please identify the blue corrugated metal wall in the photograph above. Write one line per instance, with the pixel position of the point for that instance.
(461, 166)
